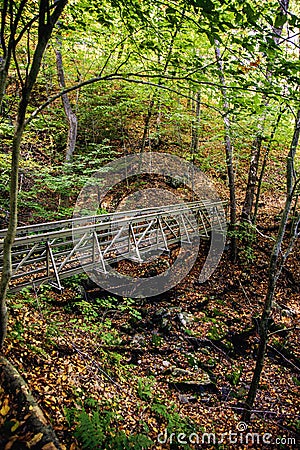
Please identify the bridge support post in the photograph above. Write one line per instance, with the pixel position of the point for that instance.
(97, 244)
(50, 257)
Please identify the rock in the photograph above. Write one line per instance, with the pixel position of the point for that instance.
(187, 380)
(187, 398)
(178, 372)
(139, 340)
(166, 363)
(185, 318)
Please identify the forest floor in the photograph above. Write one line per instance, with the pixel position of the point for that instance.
(116, 373)
(167, 372)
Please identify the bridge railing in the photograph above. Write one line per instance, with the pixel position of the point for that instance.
(55, 250)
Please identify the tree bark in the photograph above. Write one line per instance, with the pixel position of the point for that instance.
(45, 28)
(195, 127)
(7, 48)
(256, 146)
(35, 420)
(264, 163)
(154, 95)
(252, 177)
(228, 151)
(284, 6)
(275, 268)
(12, 223)
(71, 116)
(3, 78)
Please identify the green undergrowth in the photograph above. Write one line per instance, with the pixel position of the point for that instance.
(92, 419)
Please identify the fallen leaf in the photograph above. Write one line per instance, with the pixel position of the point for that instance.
(15, 426)
(5, 408)
(35, 440)
(49, 446)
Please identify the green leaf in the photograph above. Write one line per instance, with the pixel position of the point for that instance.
(280, 20)
(207, 5)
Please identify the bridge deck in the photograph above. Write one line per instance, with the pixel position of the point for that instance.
(51, 251)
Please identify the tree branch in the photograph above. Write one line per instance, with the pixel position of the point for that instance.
(110, 77)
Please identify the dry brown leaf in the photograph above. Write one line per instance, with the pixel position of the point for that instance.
(35, 440)
(5, 407)
(49, 446)
(11, 442)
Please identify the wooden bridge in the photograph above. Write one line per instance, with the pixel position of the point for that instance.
(48, 252)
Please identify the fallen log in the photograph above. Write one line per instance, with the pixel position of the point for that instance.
(33, 429)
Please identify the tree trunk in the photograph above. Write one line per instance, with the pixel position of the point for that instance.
(195, 127)
(264, 163)
(32, 415)
(154, 95)
(284, 6)
(256, 146)
(3, 78)
(12, 222)
(274, 272)
(6, 54)
(71, 116)
(252, 178)
(228, 151)
(45, 28)
(147, 122)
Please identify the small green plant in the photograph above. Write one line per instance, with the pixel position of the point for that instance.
(217, 331)
(75, 281)
(156, 340)
(27, 295)
(17, 331)
(98, 427)
(245, 235)
(192, 360)
(111, 337)
(125, 305)
(144, 388)
(45, 293)
(128, 306)
(37, 350)
(53, 330)
(174, 422)
(234, 377)
(87, 309)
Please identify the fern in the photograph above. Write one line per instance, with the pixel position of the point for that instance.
(98, 430)
(89, 430)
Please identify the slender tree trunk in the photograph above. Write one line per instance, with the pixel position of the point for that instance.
(46, 24)
(228, 151)
(195, 127)
(3, 78)
(11, 15)
(284, 6)
(12, 223)
(147, 122)
(252, 177)
(274, 272)
(70, 114)
(14, 385)
(264, 164)
(6, 53)
(155, 93)
(256, 146)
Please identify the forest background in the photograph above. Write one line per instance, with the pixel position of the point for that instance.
(214, 82)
